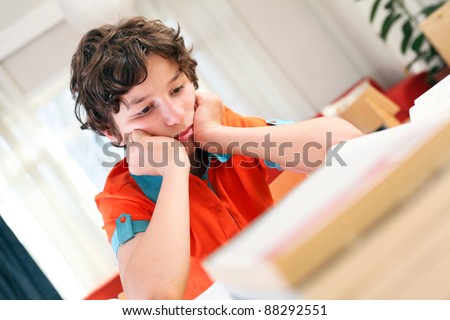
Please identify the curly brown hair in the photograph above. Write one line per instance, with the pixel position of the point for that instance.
(111, 59)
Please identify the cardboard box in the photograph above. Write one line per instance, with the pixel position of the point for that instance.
(436, 29)
(366, 108)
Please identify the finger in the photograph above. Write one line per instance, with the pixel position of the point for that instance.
(134, 136)
(127, 139)
(138, 134)
(197, 98)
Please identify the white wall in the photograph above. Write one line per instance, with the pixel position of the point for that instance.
(324, 46)
(285, 58)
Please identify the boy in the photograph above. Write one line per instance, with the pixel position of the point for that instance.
(195, 172)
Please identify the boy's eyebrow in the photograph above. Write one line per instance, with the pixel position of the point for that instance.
(136, 101)
(140, 99)
(175, 77)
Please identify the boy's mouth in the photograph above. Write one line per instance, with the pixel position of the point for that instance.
(184, 135)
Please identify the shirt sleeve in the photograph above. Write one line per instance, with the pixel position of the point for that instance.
(124, 207)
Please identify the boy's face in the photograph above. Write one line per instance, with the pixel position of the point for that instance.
(162, 105)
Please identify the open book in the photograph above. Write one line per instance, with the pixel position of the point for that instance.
(432, 104)
(335, 206)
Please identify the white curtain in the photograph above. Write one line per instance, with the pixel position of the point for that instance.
(47, 200)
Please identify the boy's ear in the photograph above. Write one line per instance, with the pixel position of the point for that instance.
(111, 137)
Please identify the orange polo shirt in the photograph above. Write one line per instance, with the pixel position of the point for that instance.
(232, 192)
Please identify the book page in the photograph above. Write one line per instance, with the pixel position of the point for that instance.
(433, 103)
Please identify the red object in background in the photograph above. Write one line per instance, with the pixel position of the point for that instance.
(406, 91)
(110, 289)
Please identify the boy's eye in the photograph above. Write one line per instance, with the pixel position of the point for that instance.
(146, 110)
(177, 90)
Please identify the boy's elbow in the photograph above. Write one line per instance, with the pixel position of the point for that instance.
(167, 293)
(161, 295)
(345, 130)
(155, 292)
(352, 132)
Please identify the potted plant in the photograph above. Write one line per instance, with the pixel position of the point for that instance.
(413, 42)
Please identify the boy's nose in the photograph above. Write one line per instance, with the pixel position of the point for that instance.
(173, 114)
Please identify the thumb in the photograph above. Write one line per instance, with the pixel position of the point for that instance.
(196, 102)
(198, 99)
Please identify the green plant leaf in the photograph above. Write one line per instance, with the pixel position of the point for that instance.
(417, 43)
(407, 29)
(374, 10)
(432, 75)
(430, 54)
(430, 9)
(389, 5)
(387, 24)
(410, 64)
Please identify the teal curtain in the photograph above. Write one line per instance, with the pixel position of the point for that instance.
(20, 277)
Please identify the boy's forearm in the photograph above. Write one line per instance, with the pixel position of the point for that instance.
(159, 265)
(299, 146)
